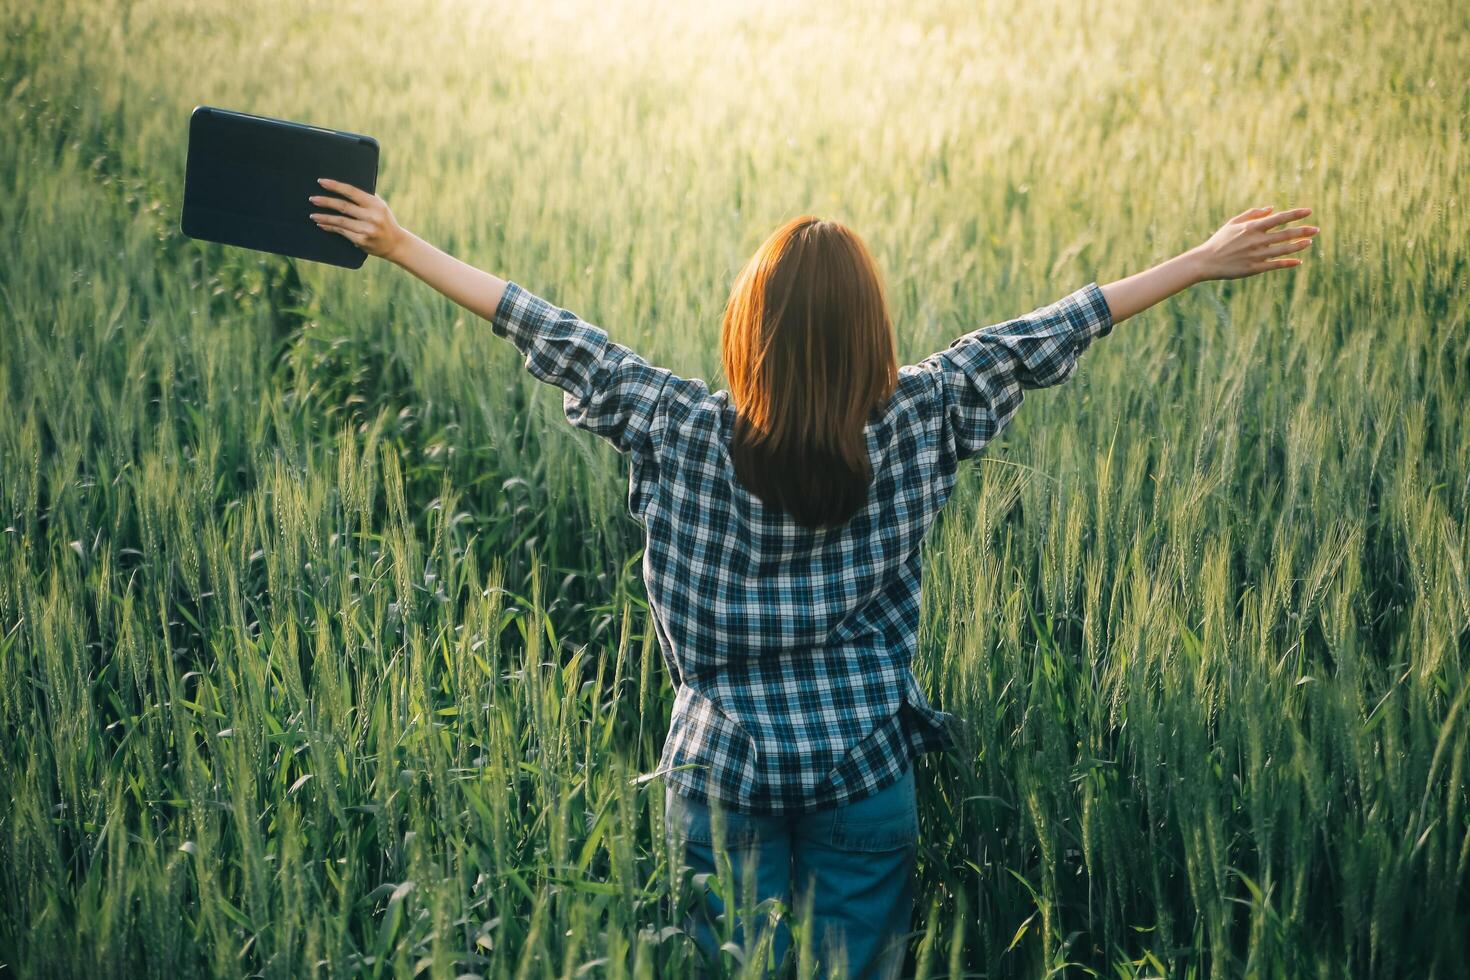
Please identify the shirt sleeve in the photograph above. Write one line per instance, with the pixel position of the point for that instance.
(981, 377)
(608, 389)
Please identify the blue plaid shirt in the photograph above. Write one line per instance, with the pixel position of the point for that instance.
(790, 648)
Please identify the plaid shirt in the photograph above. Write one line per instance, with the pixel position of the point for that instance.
(790, 648)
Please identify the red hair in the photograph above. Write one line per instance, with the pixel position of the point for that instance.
(808, 352)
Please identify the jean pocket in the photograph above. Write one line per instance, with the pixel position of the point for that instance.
(693, 821)
(685, 819)
(888, 820)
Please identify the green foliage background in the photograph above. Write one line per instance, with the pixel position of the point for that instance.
(322, 644)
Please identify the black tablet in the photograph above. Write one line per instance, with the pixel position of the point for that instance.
(247, 180)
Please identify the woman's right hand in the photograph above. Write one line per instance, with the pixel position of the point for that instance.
(1246, 245)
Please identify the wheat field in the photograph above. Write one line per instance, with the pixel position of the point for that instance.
(323, 647)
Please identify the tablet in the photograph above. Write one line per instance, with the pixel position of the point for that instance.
(247, 180)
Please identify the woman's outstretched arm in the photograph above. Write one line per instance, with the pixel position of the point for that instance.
(1244, 246)
(366, 221)
(982, 377)
(609, 390)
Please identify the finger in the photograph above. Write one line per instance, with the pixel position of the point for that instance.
(1249, 213)
(338, 204)
(1279, 264)
(1286, 248)
(1301, 231)
(338, 221)
(1279, 218)
(354, 194)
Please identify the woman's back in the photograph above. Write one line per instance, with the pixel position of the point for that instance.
(790, 646)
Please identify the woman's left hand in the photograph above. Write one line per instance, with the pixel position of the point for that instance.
(363, 219)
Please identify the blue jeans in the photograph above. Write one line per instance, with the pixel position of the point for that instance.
(849, 869)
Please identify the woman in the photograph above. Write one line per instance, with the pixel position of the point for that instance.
(784, 519)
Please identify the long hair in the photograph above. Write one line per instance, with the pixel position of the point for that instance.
(808, 352)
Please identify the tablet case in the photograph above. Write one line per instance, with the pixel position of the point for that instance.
(247, 180)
